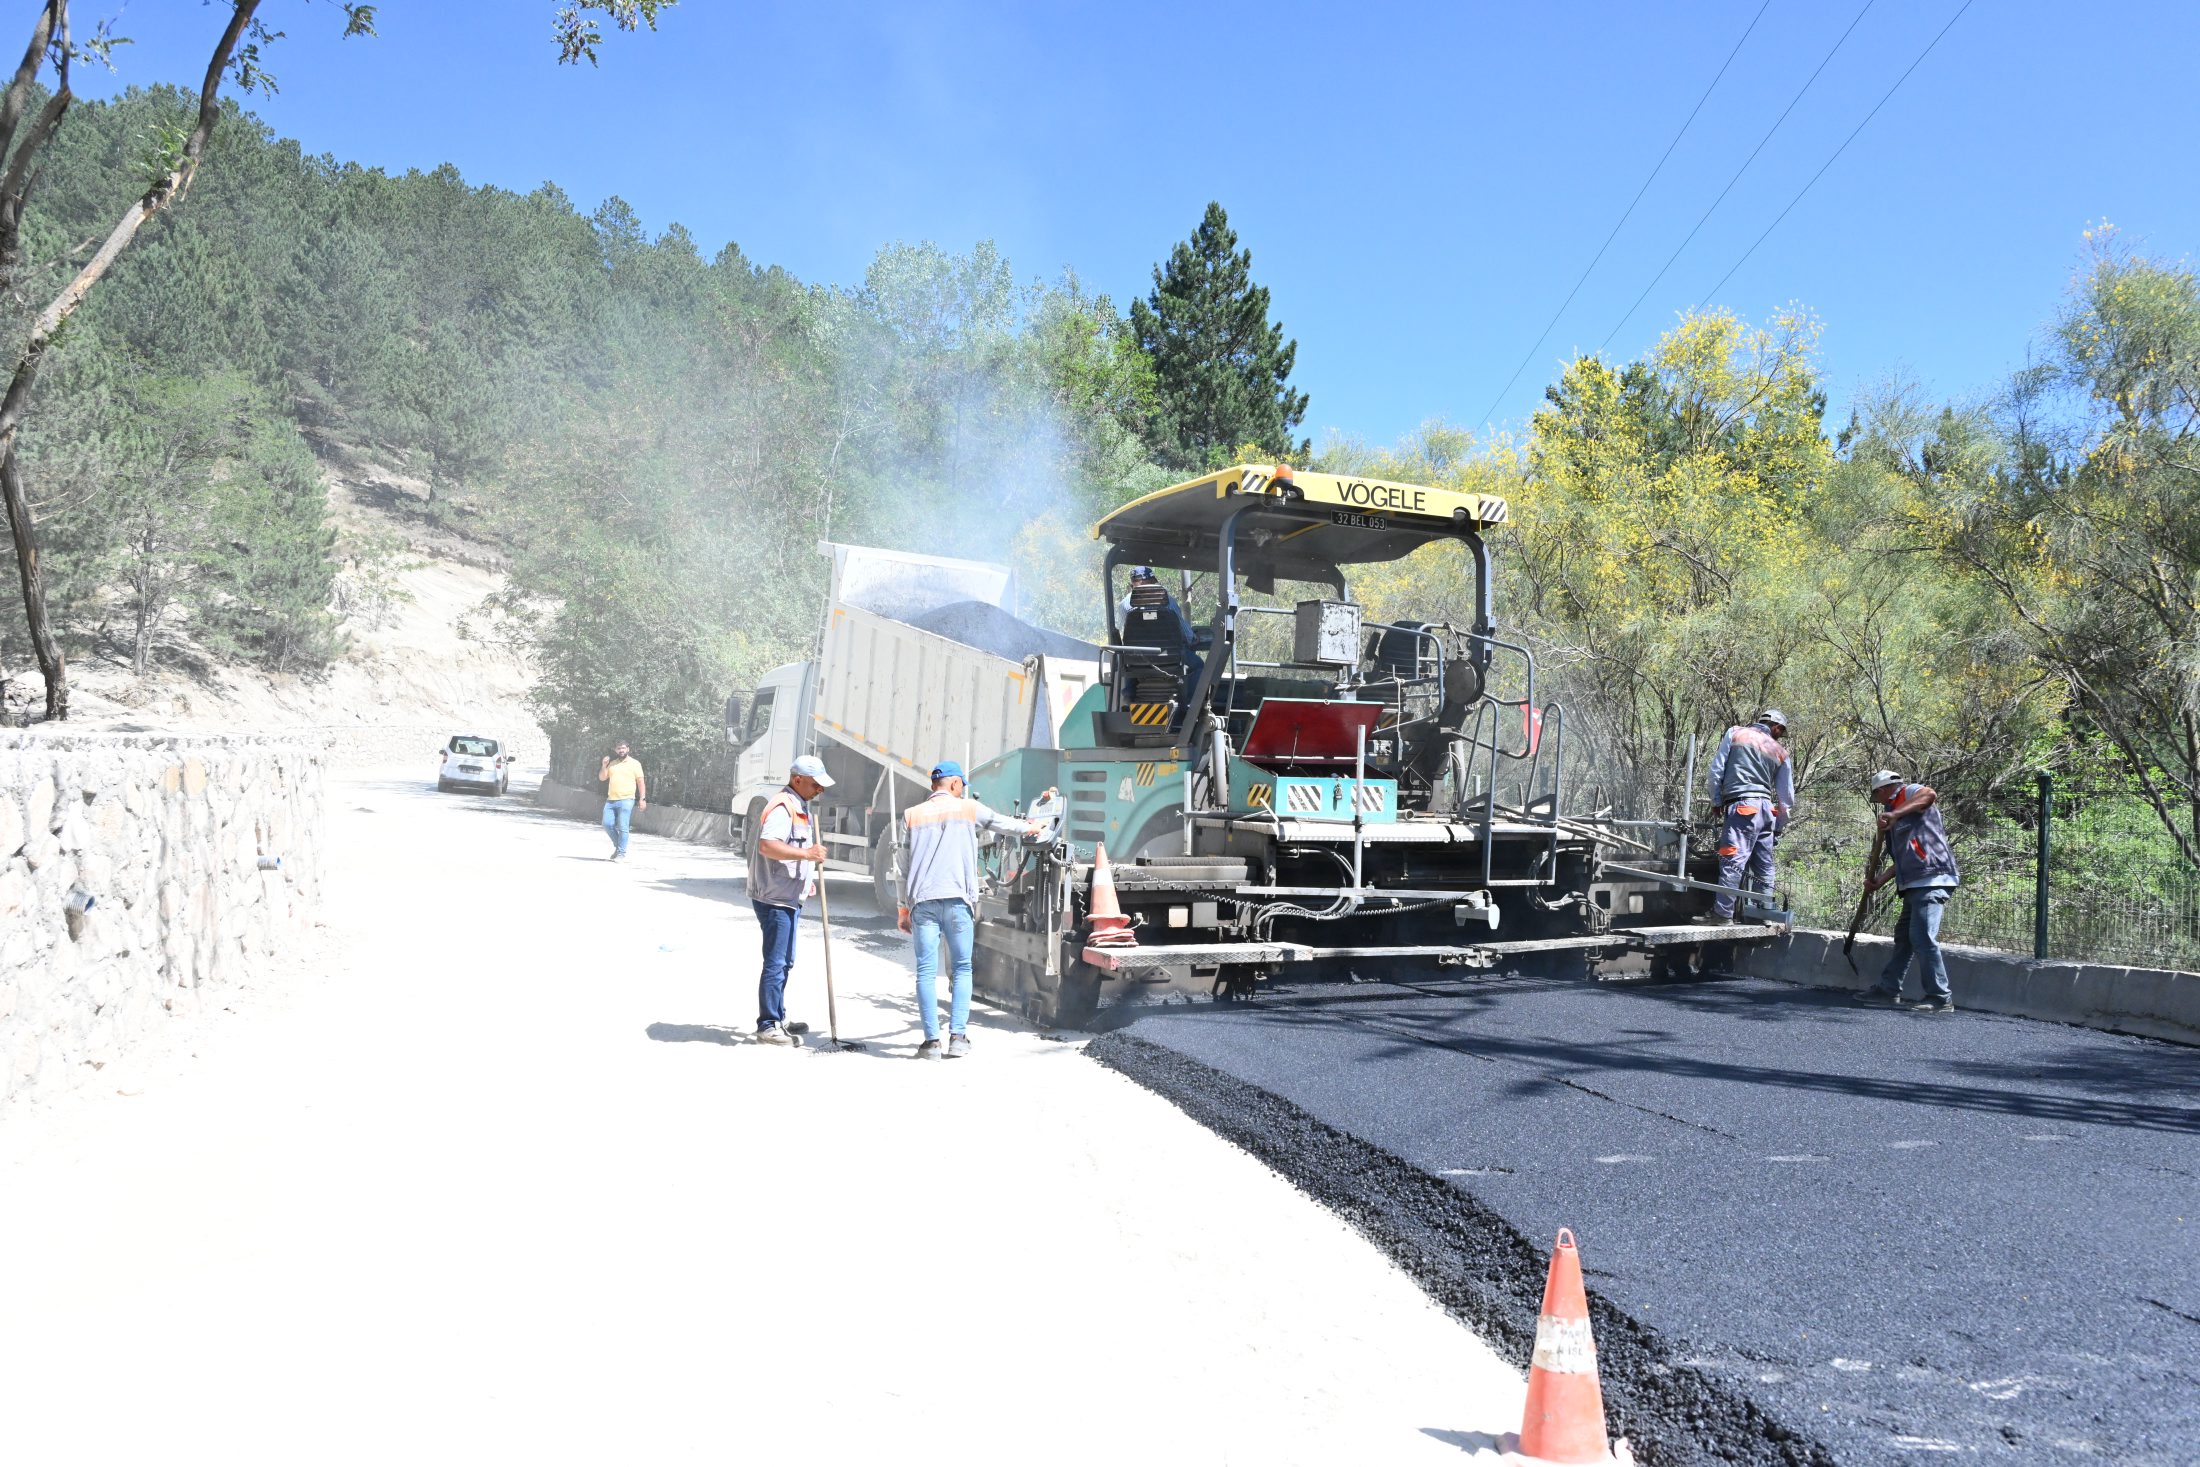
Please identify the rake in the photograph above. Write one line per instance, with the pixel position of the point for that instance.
(1864, 903)
(832, 1008)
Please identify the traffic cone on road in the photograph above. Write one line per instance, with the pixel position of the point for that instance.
(1110, 928)
(1564, 1422)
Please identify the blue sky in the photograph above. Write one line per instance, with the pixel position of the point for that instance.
(1421, 185)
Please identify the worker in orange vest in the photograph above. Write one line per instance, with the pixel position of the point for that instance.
(1752, 784)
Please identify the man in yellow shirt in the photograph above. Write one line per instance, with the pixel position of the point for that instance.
(626, 789)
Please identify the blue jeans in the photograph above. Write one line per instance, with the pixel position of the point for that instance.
(771, 989)
(618, 819)
(1919, 933)
(928, 921)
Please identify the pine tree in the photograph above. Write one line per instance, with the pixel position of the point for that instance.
(1220, 366)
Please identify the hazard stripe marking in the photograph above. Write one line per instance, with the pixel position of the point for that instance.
(1564, 1346)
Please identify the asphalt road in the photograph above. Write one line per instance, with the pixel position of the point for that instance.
(1868, 1236)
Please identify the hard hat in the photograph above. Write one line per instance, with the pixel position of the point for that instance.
(1884, 778)
(811, 767)
(1773, 715)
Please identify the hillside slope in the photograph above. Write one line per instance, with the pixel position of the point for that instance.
(411, 675)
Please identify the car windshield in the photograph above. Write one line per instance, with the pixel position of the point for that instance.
(480, 748)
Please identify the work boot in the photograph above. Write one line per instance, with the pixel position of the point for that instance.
(1937, 1006)
(958, 1046)
(775, 1035)
(930, 1049)
(1880, 998)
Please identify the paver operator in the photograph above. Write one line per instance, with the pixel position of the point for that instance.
(625, 789)
(1752, 784)
(1924, 873)
(783, 870)
(939, 897)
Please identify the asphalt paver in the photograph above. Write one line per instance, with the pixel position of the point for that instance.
(1874, 1236)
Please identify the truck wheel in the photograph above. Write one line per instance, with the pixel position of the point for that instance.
(884, 889)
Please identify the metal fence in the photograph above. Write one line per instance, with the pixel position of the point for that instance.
(2117, 889)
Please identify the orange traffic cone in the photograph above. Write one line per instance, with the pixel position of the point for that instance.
(1564, 1422)
(1110, 928)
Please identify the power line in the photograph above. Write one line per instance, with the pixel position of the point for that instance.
(1737, 178)
(1623, 218)
(1837, 152)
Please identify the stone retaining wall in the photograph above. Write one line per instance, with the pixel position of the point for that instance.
(164, 837)
(2155, 1002)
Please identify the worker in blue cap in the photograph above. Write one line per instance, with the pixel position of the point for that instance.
(939, 897)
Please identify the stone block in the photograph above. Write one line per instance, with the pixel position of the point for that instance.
(11, 824)
(194, 777)
(39, 806)
(42, 851)
(110, 822)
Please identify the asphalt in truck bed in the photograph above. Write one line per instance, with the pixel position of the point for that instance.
(1813, 1231)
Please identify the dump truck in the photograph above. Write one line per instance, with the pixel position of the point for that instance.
(1289, 788)
(918, 658)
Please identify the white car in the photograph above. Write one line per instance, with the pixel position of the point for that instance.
(475, 762)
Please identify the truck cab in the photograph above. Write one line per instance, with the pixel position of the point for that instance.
(770, 728)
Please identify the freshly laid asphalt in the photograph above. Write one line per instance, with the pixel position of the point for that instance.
(1813, 1231)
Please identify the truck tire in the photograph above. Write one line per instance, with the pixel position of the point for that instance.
(885, 890)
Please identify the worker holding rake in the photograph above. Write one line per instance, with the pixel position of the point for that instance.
(1925, 874)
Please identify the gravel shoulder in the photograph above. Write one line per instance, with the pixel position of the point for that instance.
(495, 1175)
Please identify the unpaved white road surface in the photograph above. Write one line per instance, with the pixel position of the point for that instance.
(495, 1179)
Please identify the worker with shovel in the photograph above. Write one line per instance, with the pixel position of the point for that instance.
(784, 865)
(1924, 873)
(939, 897)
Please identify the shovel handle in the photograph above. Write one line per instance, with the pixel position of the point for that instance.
(825, 928)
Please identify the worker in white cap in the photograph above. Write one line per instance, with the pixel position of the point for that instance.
(1752, 786)
(1924, 871)
(785, 861)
